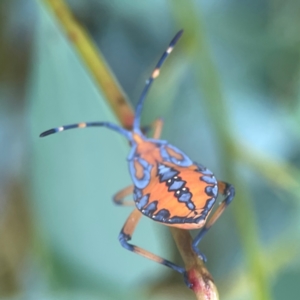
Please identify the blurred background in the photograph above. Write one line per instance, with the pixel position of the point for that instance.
(229, 96)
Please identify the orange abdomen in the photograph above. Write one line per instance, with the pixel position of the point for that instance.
(178, 196)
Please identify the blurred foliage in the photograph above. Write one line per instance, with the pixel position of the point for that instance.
(229, 96)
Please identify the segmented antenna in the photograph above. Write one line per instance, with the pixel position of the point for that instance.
(155, 74)
(114, 127)
(138, 111)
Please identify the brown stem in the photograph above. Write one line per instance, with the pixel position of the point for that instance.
(203, 283)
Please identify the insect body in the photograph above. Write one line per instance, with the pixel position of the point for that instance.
(168, 186)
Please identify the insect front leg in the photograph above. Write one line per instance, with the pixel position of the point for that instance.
(119, 198)
(227, 190)
(126, 235)
(157, 126)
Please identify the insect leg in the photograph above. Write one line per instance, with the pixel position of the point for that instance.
(157, 128)
(119, 198)
(125, 236)
(228, 191)
(156, 125)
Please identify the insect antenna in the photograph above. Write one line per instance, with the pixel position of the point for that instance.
(155, 73)
(111, 126)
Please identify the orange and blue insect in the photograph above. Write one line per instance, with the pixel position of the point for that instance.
(168, 186)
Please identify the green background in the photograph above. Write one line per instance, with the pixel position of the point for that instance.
(229, 97)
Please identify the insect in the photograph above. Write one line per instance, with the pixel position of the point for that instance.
(168, 186)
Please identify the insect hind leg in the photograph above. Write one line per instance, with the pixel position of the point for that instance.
(125, 236)
(227, 190)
